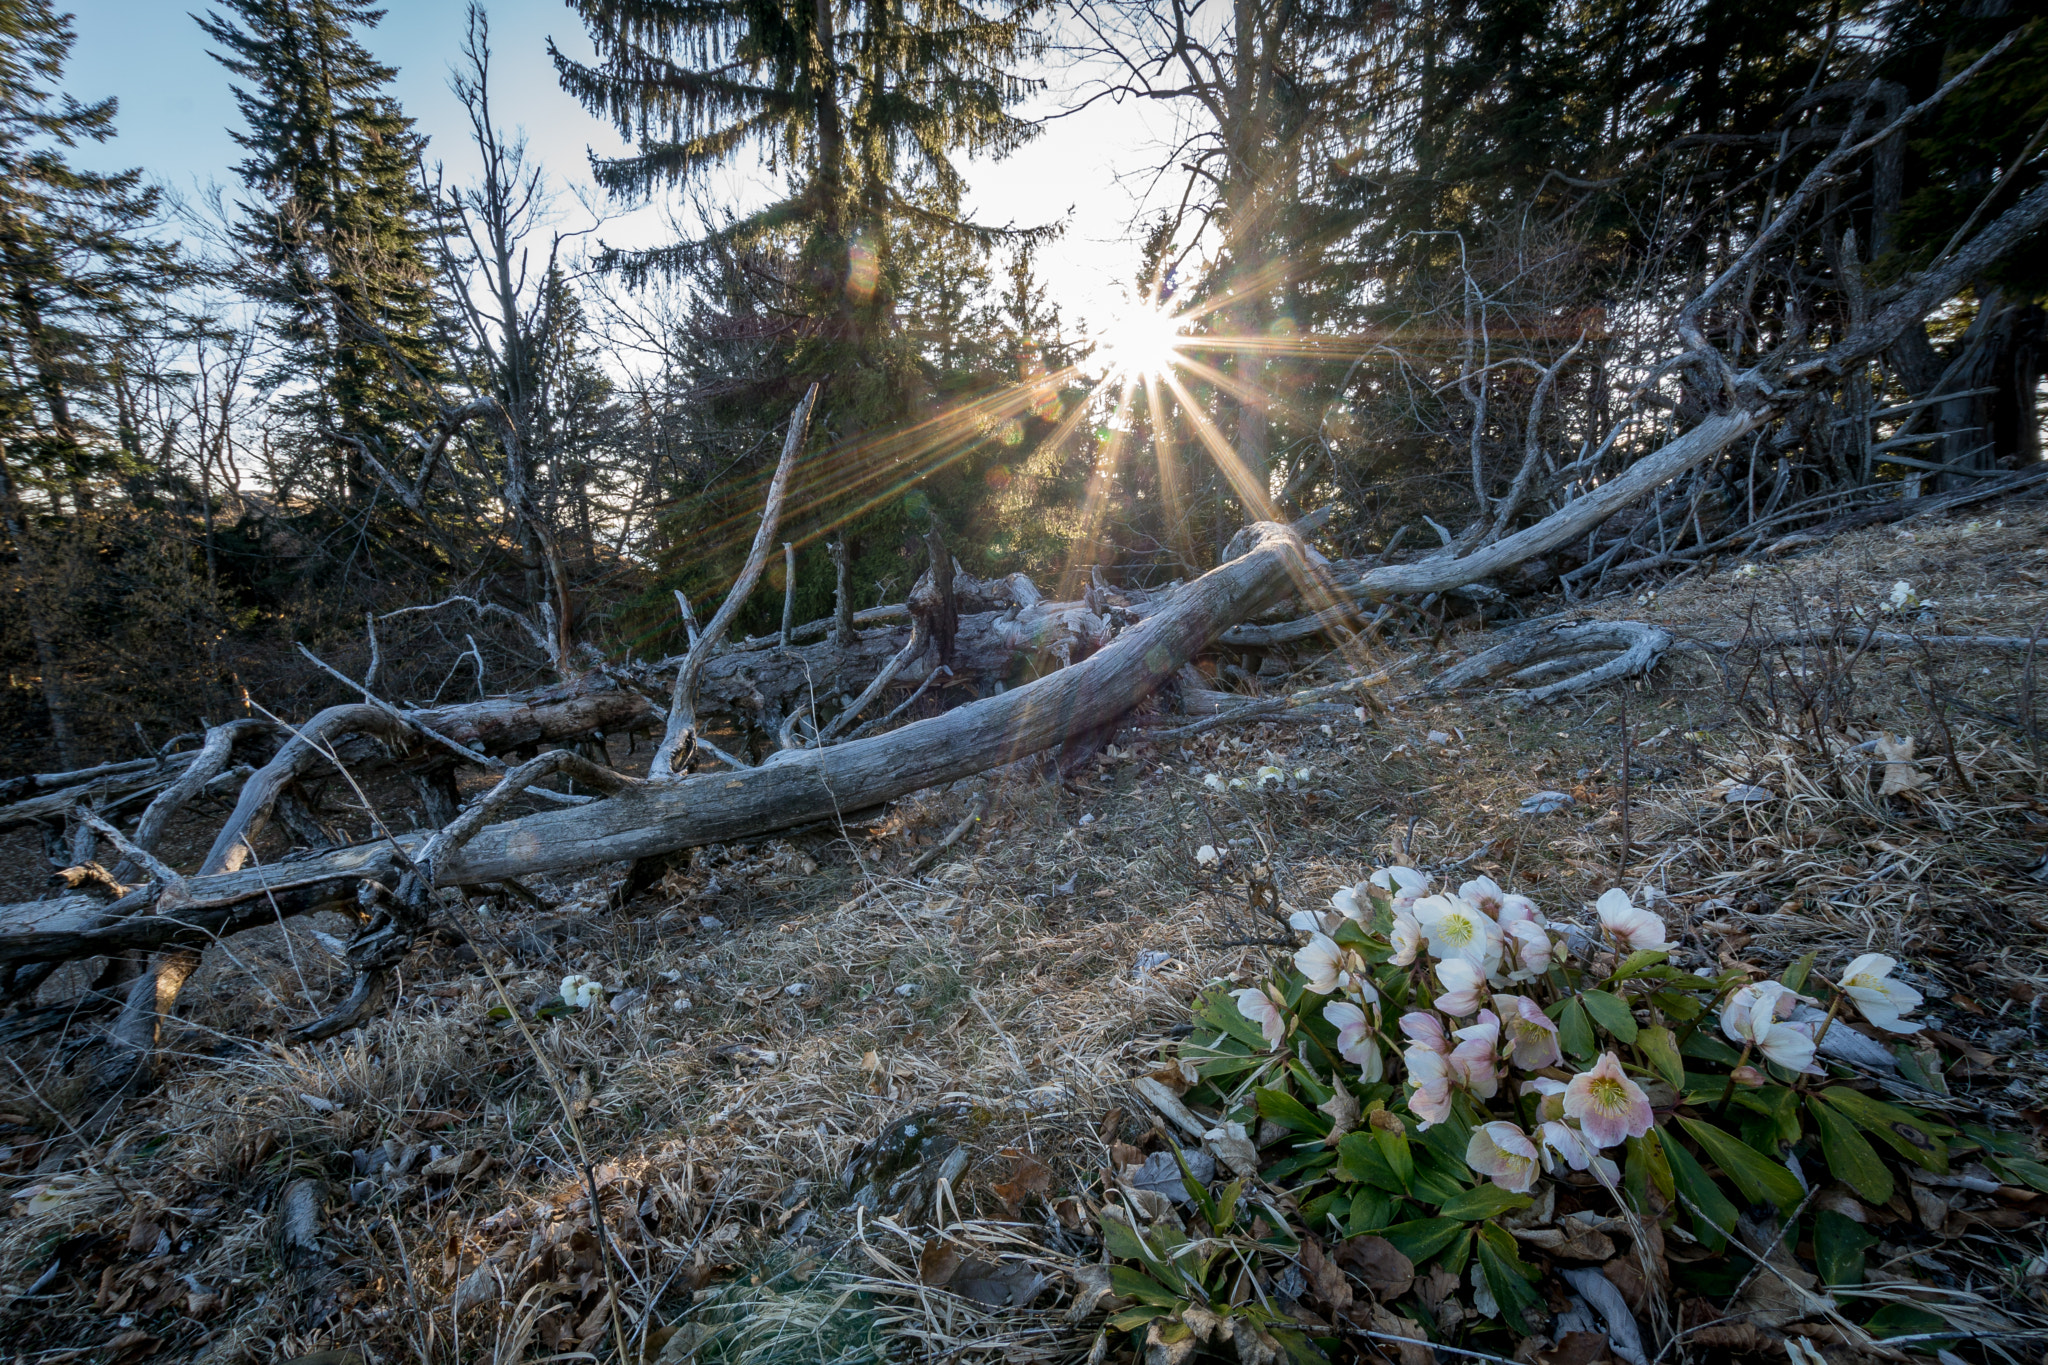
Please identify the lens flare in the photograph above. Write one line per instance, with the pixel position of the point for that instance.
(1143, 341)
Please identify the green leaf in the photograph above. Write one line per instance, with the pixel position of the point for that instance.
(1423, 1238)
(1136, 1284)
(1123, 1242)
(1637, 962)
(1506, 1277)
(1290, 1113)
(1909, 1134)
(1646, 1170)
(1610, 1012)
(1394, 1149)
(1219, 1011)
(1314, 1159)
(2019, 1170)
(1707, 1047)
(1215, 1068)
(1795, 975)
(1660, 1045)
(1708, 1205)
(1575, 1030)
(1850, 1158)
(1758, 1177)
(1133, 1318)
(1371, 1210)
(1677, 1005)
(1483, 1201)
(1839, 1242)
(1906, 1320)
(1360, 1160)
(498, 1012)
(1226, 1206)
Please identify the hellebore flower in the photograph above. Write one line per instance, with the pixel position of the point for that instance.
(1608, 1105)
(1426, 1030)
(1884, 1002)
(1459, 929)
(1633, 930)
(1532, 1037)
(1406, 885)
(1323, 963)
(1475, 1061)
(1566, 1144)
(1462, 984)
(1355, 1041)
(1484, 894)
(1503, 1154)
(1527, 944)
(1754, 1014)
(1406, 938)
(1429, 1079)
(1258, 1007)
(580, 991)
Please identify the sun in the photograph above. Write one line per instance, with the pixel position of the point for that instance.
(1143, 340)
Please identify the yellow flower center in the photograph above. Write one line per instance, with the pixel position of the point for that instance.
(1608, 1093)
(1458, 930)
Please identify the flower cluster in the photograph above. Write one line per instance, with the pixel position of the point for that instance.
(1486, 961)
(580, 991)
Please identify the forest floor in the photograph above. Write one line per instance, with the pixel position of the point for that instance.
(781, 1016)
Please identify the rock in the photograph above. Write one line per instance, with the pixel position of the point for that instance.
(1546, 803)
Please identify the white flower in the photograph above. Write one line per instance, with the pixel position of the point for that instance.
(1213, 782)
(1566, 1145)
(1427, 1031)
(1633, 930)
(580, 991)
(1324, 964)
(1258, 1007)
(1301, 774)
(1459, 929)
(1429, 1079)
(1475, 1061)
(1516, 909)
(1503, 1153)
(1483, 892)
(1883, 1001)
(1405, 884)
(1748, 571)
(1207, 856)
(1754, 1015)
(1532, 1037)
(1406, 936)
(1527, 945)
(1355, 1041)
(1268, 775)
(1463, 987)
(1901, 598)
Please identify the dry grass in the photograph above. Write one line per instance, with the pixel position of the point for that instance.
(786, 1003)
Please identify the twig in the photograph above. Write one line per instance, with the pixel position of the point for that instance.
(141, 857)
(908, 702)
(977, 807)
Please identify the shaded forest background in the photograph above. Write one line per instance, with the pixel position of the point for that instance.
(1420, 247)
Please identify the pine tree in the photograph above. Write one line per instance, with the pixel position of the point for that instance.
(337, 227)
(76, 274)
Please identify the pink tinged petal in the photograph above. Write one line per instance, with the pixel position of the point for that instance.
(1532, 1037)
(1518, 910)
(1258, 1007)
(1462, 985)
(1425, 1029)
(1483, 893)
(1504, 1154)
(1633, 930)
(1349, 904)
(1789, 1045)
(1354, 1031)
(1530, 945)
(1608, 1105)
(1431, 1103)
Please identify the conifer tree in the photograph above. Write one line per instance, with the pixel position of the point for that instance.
(337, 226)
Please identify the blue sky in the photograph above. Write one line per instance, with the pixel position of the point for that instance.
(176, 111)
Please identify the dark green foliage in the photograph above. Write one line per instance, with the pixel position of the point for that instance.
(336, 226)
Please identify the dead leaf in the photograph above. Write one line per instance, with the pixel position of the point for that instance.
(1576, 1348)
(938, 1262)
(1575, 1242)
(1325, 1279)
(1387, 1272)
(1411, 1347)
(1253, 1346)
(1123, 1154)
(1342, 1107)
(1899, 773)
(1169, 1342)
(1027, 1177)
(1624, 1274)
(1230, 1145)
(1091, 1291)
(1934, 1211)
